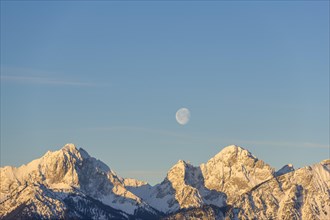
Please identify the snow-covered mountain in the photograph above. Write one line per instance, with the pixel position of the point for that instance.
(234, 184)
(62, 184)
(182, 188)
(300, 194)
(235, 171)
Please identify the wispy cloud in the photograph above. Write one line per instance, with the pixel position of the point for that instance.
(35, 76)
(201, 138)
(43, 80)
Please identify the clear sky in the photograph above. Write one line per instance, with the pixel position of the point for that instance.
(109, 77)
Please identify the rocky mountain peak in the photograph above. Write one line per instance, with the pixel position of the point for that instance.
(70, 147)
(182, 164)
(84, 153)
(72, 150)
(232, 153)
(232, 148)
(285, 169)
(235, 170)
(177, 171)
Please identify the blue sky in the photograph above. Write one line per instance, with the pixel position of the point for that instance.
(109, 77)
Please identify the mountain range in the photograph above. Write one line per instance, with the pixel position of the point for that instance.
(234, 184)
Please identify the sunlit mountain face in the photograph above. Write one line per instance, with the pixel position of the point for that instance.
(234, 184)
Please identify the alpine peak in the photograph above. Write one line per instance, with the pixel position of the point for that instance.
(182, 162)
(72, 149)
(69, 147)
(233, 149)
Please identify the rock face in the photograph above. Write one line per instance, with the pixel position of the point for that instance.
(235, 171)
(62, 181)
(234, 184)
(285, 169)
(302, 194)
(183, 188)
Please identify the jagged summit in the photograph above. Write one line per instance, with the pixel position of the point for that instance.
(234, 169)
(70, 147)
(181, 163)
(285, 169)
(232, 151)
(179, 169)
(232, 147)
(84, 153)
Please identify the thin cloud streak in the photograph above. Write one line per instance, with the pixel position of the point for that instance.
(213, 140)
(43, 80)
(42, 77)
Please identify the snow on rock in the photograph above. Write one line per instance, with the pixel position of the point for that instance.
(70, 184)
(300, 194)
(182, 188)
(137, 187)
(70, 170)
(234, 171)
(285, 169)
(134, 182)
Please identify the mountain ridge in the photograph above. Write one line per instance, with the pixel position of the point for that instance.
(69, 183)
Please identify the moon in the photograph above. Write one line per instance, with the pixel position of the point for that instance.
(182, 116)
